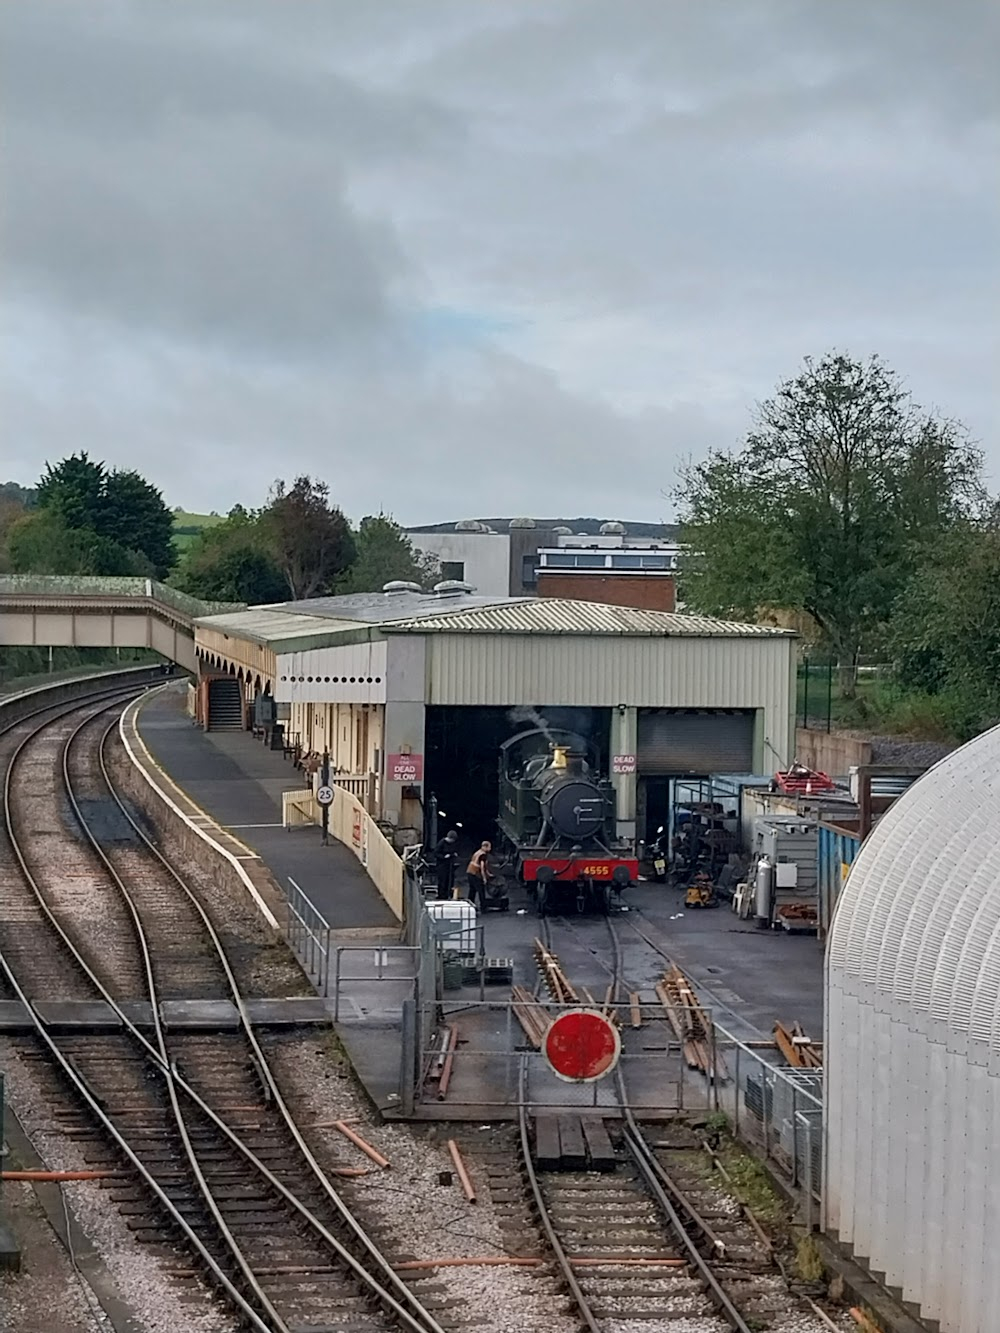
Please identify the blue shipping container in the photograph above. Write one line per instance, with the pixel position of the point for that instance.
(836, 852)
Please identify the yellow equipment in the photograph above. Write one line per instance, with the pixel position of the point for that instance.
(700, 893)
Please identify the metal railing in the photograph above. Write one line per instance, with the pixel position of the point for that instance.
(308, 933)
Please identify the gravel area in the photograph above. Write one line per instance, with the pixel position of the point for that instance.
(263, 966)
(47, 1294)
(161, 1303)
(415, 1216)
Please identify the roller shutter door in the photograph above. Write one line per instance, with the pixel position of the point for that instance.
(694, 741)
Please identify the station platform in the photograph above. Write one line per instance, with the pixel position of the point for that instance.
(239, 783)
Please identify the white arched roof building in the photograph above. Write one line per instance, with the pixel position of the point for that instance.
(913, 1045)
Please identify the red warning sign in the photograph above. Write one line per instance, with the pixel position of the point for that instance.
(582, 1046)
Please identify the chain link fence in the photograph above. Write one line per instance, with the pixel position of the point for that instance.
(778, 1112)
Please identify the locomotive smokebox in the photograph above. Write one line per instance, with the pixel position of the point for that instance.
(573, 808)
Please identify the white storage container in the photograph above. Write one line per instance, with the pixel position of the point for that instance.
(454, 922)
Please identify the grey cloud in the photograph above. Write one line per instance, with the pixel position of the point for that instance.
(661, 206)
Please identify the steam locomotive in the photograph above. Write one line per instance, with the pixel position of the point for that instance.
(557, 816)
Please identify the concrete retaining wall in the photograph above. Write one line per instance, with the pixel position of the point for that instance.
(831, 753)
(15, 706)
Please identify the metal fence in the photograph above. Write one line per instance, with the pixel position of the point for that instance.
(491, 1046)
(776, 1111)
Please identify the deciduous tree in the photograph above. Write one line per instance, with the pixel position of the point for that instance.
(384, 553)
(827, 507)
(945, 630)
(311, 539)
(232, 562)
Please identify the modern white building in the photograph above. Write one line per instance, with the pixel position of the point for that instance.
(912, 1054)
(503, 557)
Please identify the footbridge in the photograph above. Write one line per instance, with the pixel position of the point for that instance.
(77, 611)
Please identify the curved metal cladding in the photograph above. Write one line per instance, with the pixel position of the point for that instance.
(913, 1045)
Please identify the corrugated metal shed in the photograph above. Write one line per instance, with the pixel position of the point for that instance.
(912, 1045)
(554, 615)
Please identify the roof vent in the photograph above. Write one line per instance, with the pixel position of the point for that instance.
(452, 587)
(610, 529)
(563, 531)
(468, 525)
(400, 585)
(521, 523)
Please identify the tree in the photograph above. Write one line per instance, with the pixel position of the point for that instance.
(945, 631)
(232, 562)
(119, 509)
(383, 553)
(828, 506)
(133, 514)
(43, 543)
(311, 539)
(74, 489)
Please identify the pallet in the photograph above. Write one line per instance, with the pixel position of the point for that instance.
(573, 1143)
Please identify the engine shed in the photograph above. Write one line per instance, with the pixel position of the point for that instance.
(414, 693)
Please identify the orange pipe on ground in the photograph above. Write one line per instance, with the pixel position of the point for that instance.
(60, 1175)
(483, 1261)
(449, 1061)
(359, 1142)
(463, 1175)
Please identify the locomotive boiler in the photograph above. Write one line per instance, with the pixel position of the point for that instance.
(557, 815)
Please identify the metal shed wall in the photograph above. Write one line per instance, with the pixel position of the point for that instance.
(604, 671)
(912, 1044)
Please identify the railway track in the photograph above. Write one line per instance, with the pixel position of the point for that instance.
(655, 1244)
(241, 1188)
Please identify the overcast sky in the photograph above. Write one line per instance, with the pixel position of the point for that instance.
(461, 257)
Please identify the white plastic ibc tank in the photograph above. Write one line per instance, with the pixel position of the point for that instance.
(454, 923)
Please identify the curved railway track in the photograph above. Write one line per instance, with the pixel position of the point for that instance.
(662, 1244)
(253, 1204)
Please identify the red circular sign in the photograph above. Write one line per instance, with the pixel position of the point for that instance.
(582, 1046)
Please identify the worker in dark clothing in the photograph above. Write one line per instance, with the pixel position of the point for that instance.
(446, 855)
(478, 873)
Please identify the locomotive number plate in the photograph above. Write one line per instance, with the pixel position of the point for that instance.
(596, 872)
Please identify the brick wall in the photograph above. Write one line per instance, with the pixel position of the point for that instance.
(649, 592)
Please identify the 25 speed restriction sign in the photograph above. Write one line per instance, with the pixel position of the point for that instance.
(325, 796)
(582, 1046)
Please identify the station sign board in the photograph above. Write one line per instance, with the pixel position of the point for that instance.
(404, 768)
(582, 1046)
(623, 763)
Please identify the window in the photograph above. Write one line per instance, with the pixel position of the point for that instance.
(556, 560)
(586, 560)
(529, 563)
(453, 569)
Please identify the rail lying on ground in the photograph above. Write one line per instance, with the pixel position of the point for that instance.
(251, 1201)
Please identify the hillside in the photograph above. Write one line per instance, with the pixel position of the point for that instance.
(188, 525)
